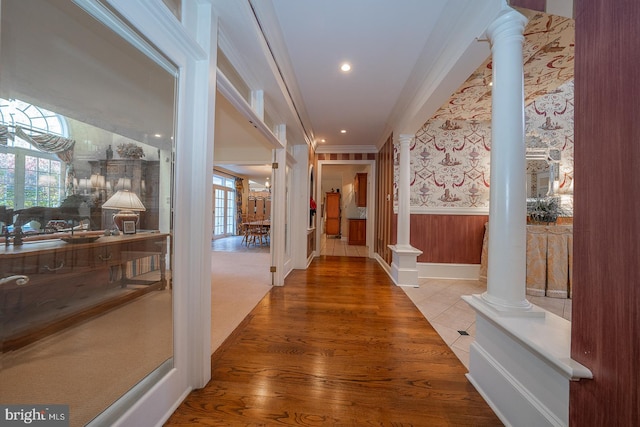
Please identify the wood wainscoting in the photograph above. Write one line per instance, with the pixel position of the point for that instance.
(447, 239)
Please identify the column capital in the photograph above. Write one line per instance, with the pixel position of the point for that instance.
(405, 138)
(509, 24)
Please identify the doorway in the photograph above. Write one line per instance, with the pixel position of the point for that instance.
(348, 229)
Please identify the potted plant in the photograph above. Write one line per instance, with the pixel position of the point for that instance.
(544, 210)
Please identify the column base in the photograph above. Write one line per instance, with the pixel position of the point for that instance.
(522, 366)
(404, 265)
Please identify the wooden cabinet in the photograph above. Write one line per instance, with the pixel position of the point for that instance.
(358, 232)
(144, 178)
(360, 190)
(332, 212)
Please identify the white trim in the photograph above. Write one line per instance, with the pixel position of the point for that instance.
(371, 199)
(320, 149)
(424, 210)
(448, 211)
(195, 60)
(227, 89)
(521, 364)
(448, 271)
(386, 267)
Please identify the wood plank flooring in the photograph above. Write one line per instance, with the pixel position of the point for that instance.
(339, 344)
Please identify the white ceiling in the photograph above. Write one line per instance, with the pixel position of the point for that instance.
(401, 52)
(408, 58)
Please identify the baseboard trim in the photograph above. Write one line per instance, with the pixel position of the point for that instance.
(510, 400)
(448, 271)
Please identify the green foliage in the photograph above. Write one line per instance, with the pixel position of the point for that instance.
(545, 210)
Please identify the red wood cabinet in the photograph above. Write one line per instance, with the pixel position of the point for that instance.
(332, 203)
(360, 190)
(358, 232)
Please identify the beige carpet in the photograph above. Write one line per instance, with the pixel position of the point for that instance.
(91, 365)
(239, 280)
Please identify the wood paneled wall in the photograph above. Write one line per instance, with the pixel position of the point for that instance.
(448, 239)
(539, 5)
(453, 239)
(384, 201)
(606, 295)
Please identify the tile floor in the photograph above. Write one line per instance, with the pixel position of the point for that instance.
(439, 301)
(340, 247)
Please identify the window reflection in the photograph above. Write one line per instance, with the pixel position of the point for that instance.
(85, 301)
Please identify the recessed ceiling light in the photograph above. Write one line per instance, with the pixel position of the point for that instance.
(343, 131)
(323, 140)
(345, 67)
(158, 135)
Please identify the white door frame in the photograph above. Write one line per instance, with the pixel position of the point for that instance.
(371, 199)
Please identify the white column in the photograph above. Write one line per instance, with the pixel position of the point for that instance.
(404, 266)
(404, 192)
(506, 268)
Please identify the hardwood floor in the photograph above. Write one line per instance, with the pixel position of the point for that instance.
(339, 344)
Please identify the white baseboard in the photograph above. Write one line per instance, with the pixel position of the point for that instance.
(448, 271)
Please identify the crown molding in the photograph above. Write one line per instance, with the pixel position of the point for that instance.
(346, 149)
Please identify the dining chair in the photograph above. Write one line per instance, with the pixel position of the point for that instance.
(257, 234)
(244, 228)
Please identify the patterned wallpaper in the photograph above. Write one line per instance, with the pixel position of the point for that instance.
(549, 120)
(548, 55)
(450, 164)
(451, 152)
(450, 159)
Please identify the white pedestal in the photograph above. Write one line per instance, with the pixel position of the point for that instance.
(521, 365)
(404, 265)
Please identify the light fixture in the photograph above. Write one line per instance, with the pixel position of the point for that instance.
(343, 131)
(345, 67)
(128, 204)
(123, 184)
(268, 185)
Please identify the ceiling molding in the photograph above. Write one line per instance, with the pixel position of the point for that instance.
(347, 149)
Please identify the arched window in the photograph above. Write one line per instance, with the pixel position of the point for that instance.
(28, 176)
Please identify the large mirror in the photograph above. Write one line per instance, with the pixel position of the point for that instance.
(86, 154)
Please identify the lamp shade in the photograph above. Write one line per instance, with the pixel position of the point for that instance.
(128, 204)
(124, 200)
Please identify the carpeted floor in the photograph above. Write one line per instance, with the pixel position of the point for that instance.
(239, 280)
(92, 364)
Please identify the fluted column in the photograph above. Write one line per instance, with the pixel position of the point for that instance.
(506, 269)
(404, 192)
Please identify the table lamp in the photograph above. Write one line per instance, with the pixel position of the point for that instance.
(128, 204)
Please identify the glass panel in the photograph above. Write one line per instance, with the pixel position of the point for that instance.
(7, 193)
(219, 213)
(94, 316)
(230, 220)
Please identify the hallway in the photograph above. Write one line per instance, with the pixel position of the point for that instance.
(338, 345)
